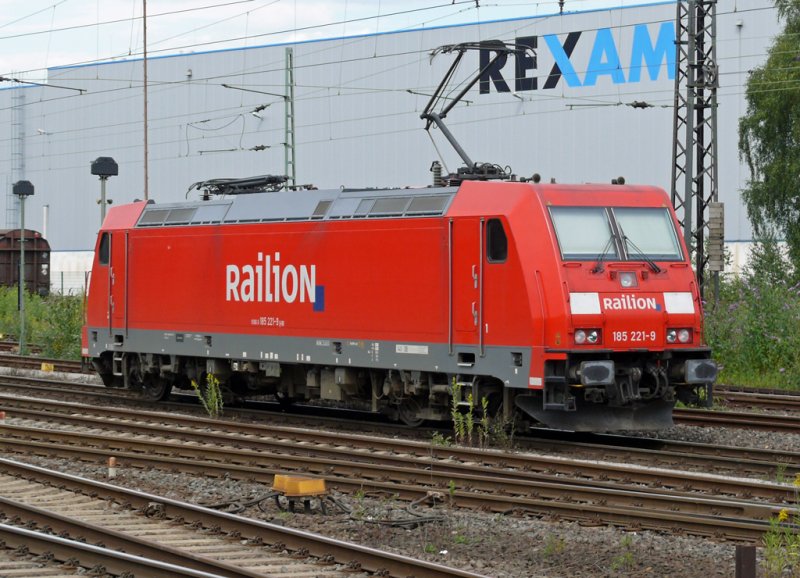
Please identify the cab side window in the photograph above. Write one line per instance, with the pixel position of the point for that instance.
(105, 249)
(496, 241)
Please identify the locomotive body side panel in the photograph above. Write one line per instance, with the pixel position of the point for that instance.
(329, 280)
(362, 293)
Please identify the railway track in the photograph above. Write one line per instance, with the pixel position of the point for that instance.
(36, 362)
(760, 421)
(753, 462)
(763, 421)
(728, 396)
(734, 461)
(497, 481)
(561, 487)
(283, 447)
(182, 536)
(28, 554)
(755, 398)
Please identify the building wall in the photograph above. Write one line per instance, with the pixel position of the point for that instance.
(357, 107)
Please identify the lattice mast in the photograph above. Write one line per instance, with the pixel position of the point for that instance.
(694, 167)
(290, 166)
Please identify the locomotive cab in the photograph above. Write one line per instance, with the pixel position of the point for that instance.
(631, 343)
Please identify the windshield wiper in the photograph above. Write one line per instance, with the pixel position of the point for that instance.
(598, 267)
(627, 242)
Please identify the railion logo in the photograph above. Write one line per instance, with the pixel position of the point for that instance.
(630, 302)
(267, 281)
(570, 57)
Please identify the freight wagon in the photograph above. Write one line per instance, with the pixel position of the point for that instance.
(37, 260)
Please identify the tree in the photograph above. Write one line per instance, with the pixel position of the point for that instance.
(767, 264)
(769, 136)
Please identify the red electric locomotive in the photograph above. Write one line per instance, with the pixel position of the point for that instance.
(576, 304)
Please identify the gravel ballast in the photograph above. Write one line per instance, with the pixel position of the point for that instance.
(504, 546)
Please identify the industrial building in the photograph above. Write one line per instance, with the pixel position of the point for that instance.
(591, 99)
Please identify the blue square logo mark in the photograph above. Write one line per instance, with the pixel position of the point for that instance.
(319, 298)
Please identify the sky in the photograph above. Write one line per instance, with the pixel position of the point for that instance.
(38, 34)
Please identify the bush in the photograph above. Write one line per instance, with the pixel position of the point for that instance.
(53, 323)
(753, 326)
(57, 326)
(752, 331)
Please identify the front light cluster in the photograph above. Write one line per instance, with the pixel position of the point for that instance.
(587, 336)
(683, 335)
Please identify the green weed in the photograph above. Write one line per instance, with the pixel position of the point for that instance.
(553, 545)
(437, 439)
(210, 395)
(780, 473)
(459, 426)
(624, 561)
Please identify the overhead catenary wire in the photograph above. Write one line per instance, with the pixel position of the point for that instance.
(597, 99)
(538, 95)
(278, 63)
(518, 30)
(132, 20)
(295, 30)
(246, 38)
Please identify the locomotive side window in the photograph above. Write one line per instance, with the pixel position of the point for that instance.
(584, 233)
(496, 241)
(153, 217)
(322, 209)
(363, 207)
(648, 232)
(389, 206)
(105, 246)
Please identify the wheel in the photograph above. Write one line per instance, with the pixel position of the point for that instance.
(410, 412)
(155, 388)
(151, 387)
(284, 401)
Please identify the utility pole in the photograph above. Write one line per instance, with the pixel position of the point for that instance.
(694, 152)
(290, 169)
(23, 189)
(17, 154)
(144, 63)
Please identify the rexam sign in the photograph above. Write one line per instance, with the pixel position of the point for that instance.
(581, 58)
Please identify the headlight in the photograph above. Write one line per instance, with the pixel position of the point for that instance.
(627, 279)
(587, 336)
(683, 335)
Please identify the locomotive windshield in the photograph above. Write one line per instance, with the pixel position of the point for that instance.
(619, 233)
(584, 233)
(648, 232)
